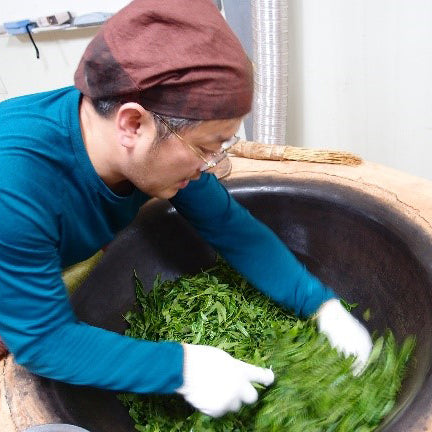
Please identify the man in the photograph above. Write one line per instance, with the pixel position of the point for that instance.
(160, 93)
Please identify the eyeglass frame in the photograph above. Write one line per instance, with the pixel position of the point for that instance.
(216, 157)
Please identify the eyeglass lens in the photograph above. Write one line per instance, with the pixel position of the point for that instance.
(222, 154)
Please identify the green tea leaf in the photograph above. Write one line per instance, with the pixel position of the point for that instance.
(314, 391)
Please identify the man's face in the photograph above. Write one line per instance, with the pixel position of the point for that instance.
(166, 167)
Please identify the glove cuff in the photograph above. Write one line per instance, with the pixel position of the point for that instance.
(329, 307)
(181, 389)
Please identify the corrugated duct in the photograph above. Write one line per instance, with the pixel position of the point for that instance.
(270, 54)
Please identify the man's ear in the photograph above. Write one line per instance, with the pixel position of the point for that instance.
(132, 122)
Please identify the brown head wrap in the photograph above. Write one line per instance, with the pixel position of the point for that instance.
(179, 54)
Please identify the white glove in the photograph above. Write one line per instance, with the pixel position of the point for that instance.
(345, 333)
(215, 383)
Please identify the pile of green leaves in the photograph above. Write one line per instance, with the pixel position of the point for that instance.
(314, 389)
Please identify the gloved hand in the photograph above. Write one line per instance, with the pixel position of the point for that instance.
(215, 383)
(345, 333)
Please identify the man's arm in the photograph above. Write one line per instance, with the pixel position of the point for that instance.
(256, 252)
(37, 323)
(41, 330)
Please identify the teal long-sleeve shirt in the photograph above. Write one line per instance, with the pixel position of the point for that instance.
(56, 211)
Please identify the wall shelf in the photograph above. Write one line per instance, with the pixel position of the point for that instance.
(66, 27)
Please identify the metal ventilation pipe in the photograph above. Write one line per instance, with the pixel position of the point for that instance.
(270, 55)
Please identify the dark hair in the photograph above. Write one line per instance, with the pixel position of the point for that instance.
(106, 107)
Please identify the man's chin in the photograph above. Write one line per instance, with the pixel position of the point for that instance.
(169, 192)
(166, 193)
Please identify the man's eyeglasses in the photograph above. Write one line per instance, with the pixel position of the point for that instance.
(215, 158)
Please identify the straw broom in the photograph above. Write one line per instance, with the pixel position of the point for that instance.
(254, 150)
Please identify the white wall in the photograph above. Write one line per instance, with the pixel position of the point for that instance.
(360, 72)
(20, 71)
(361, 79)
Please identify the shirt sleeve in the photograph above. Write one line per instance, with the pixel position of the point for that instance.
(37, 322)
(250, 246)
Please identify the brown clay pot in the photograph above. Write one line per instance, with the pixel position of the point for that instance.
(366, 231)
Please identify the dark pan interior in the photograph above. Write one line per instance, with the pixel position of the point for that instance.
(369, 253)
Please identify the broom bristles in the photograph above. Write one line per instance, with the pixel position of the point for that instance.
(254, 150)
